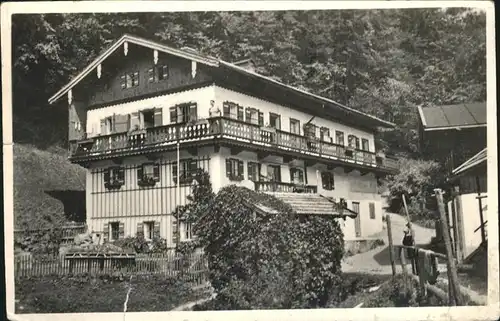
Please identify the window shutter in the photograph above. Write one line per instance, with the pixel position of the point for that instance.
(121, 175)
(140, 173)
(372, 210)
(156, 172)
(261, 118)
(174, 173)
(248, 115)
(158, 118)
(140, 229)
(173, 114)
(228, 168)
(193, 115)
(301, 176)
(193, 167)
(121, 123)
(332, 181)
(292, 171)
(164, 70)
(156, 231)
(151, 75)
(123, 82)
(225, 109)
(121, 230)
(105, 232)
(240, 113)
(249, 171)
(134, 120)
(106, 175)
(103, 127)
(241, 172)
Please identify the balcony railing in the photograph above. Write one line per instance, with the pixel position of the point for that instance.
(284, 187)
(231, 129)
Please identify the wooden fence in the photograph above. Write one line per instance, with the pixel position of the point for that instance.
(192, 268)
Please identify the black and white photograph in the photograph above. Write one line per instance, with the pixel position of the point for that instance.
(236, 157)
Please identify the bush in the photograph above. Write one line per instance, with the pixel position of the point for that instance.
(279, 261)
(416, 180)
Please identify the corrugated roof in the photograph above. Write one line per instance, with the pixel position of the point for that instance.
(453, 116)
(310, 204)
(472, 162)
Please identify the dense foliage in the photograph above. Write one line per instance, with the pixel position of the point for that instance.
(416, 182)
(385, 62)
(280, 260)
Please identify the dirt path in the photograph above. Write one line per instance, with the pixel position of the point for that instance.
(377, 261)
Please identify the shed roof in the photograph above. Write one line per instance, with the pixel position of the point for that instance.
(471, 163)
(465, 115)
(307, 204)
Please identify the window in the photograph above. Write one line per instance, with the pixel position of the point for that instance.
(294, 126)
(114, 177)
(232, 110)
(365, 144)
(107, 126)
(234, 169)
(114, 230)
(149, 230)
(275, 120)
(148, 118)
(187, 170)
(327, 181)
(310, 130)
(129, 80)
(274, 173)
(252, 115)
(148, 174)
(353, 141)
(372, 210)
(158, 73)
(340, 137)
(325, 134)
(253, 171)
(296, 176)
(188, 231)
(183, 113)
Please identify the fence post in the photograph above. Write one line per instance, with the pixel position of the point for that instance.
(403, 267)
(452, 269)
(391, 245)
(421, 273)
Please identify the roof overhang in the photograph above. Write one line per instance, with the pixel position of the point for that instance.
(431, 129)
(472, 164)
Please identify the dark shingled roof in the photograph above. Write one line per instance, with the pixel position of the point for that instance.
(452, 116)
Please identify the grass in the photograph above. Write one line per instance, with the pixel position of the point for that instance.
(83, 294)
(37, 172)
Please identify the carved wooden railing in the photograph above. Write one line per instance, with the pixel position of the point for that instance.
(230, 129)
(284, 187)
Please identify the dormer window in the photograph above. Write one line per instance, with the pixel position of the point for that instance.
(157, 73)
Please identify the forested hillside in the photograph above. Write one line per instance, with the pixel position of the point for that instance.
(384, 62)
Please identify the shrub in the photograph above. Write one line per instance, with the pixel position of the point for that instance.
(281, 260)
(416, 180)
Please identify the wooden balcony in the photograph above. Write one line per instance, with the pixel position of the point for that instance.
(222, 130)
(281, 187)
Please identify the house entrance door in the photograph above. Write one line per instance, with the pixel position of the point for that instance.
(357, 220)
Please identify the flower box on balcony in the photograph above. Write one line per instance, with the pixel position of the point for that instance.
(114, 184)
(147, 181)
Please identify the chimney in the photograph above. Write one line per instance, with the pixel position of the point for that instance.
(247, 64)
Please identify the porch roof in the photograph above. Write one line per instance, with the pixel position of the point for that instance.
(472, 163)
(307, 204)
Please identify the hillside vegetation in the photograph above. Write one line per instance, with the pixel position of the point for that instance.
(37, 172)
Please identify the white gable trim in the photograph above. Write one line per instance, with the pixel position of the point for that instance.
(138, 41)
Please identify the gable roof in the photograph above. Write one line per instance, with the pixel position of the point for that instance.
(465, 115)
(210, 61)
(471, 163)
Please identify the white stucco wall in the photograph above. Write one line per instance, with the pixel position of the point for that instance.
(202, 96)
